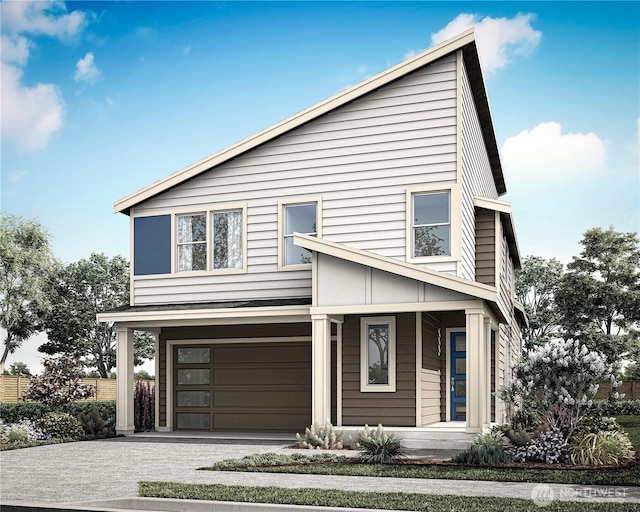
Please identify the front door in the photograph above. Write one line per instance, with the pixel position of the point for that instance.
(458, 389)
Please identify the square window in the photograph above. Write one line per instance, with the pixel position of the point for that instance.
(298, 218)
(227, 239)
(431, 224)
(377, 354)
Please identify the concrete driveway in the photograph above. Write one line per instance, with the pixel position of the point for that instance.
(111, 469)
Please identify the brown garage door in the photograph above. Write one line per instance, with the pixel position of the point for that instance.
(244, 386)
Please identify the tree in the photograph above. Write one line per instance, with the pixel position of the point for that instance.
(536, 286)
(80, 291)
(25, 263)
(59, 384)
(557, 382)
(599, 296)
(19, 368)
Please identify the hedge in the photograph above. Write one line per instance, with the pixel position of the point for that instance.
(14, 412)
(619, 408)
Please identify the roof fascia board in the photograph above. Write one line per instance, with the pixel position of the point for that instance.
(400, 268)
(428, 56)
(181, 315)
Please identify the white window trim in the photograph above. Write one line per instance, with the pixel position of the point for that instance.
(455, 220)
(177, 244)
(365, 387)
(208, 211)
(299, 201)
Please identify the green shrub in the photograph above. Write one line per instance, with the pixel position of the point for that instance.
(595, 424)
(483, 455)
(601, 448)
(524, 419)
(61, 426)
(377, 446)
(495, 437)
(13, 413)
(86, 407)
(321, 437)
(618, 408)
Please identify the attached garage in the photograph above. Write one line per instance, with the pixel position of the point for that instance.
(241, 386)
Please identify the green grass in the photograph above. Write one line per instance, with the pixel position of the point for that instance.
(296, 464)
(28, 444)
(631, 425)
(375, 500)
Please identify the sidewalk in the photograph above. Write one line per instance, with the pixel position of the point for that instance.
(110, 470)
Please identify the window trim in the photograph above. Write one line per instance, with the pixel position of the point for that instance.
(178, 244)
(455, 208)
(365, 387)
(282, 205)
(208, 211)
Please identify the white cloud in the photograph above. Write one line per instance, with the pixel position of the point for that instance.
(545, 150)
(498, 39)
(16, 176)
(14, 49)
(86, 70)
(30, 115)
(42, 18)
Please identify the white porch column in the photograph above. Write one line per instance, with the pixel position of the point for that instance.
(320, 369)
(475, 369)
(124, 381)
(486, 420)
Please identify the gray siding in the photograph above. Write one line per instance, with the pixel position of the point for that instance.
(477, 178)
(360, 159)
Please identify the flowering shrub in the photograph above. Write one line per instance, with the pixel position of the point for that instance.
(377, 446)
(321, 437)
(557, 381)
(548, 447)
(23, 430)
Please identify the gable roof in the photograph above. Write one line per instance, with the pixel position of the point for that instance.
(464, 41)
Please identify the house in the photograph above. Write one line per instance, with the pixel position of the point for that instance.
(352, 263)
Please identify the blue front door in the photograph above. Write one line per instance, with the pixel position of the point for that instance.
(458, 388)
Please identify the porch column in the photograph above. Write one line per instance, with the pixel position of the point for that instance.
(124, 381)
(486, 420)
(320, 369)
(475, 369)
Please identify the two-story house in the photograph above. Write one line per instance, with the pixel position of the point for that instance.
(352, 263)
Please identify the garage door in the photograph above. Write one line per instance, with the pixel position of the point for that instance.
(243, 386)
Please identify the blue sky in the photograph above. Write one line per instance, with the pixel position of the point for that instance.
(100, 99)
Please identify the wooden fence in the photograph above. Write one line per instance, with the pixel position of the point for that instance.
(12, 388)
(630, 388)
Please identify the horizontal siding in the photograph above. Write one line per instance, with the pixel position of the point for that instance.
(430, 397)
(360, 159)
(477, 177)
(485, 247)
(391, 409)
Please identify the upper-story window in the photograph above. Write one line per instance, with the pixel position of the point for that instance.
(192, 242)
(214, 240)
(303, 219)
(227, 239)
(431, 224)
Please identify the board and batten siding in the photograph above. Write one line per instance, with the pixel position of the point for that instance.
(396, 409)
(476, 175)
(360, 159)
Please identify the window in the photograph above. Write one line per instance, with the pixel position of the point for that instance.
(298, 218)
(431, 214)
(227, 239)
(214, 240)
(378, 354)
(192, 242)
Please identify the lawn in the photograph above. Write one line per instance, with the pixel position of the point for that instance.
(374, 500)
